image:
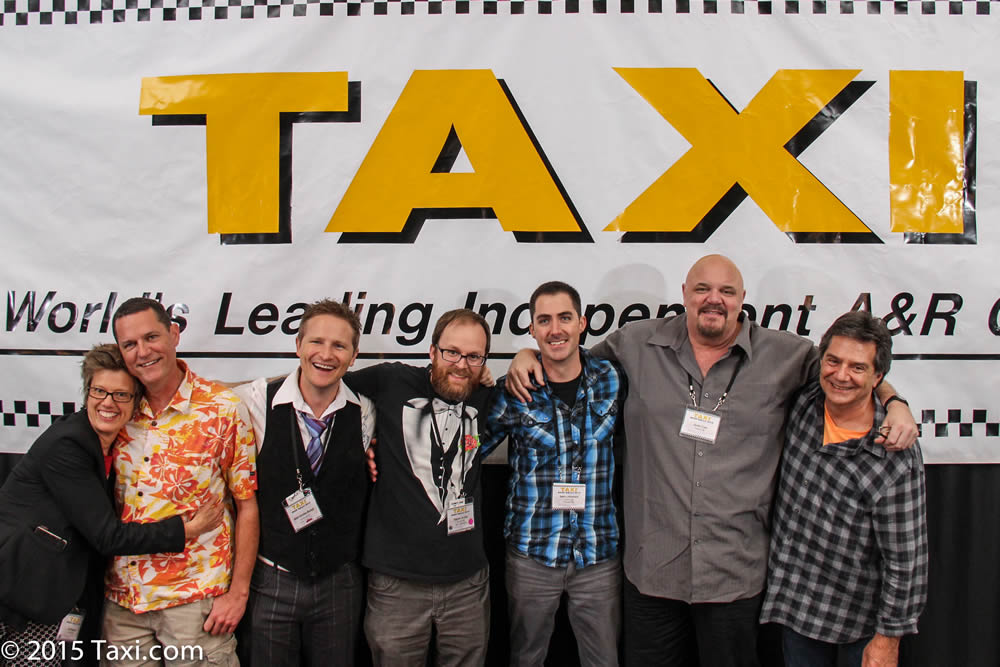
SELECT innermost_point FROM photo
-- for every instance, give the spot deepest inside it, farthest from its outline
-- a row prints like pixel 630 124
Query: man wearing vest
pixel 312 433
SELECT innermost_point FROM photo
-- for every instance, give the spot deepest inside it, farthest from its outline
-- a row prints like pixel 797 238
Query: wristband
pixel 895 397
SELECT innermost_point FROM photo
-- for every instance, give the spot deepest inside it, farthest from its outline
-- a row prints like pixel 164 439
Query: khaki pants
pixel 172 636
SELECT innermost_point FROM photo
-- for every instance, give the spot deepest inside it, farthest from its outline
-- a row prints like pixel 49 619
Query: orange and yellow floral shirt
pixel 199 448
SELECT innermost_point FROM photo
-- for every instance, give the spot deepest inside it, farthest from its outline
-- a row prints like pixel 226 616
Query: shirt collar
pixel 181 401
pixel 590 372
pixel 673 333
pixel 851 447
pixel 289 392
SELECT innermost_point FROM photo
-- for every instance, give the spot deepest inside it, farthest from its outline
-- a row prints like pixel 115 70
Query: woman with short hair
pixel 57 517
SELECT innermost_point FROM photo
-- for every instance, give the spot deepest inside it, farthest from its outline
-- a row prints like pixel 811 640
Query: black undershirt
pixel 566 391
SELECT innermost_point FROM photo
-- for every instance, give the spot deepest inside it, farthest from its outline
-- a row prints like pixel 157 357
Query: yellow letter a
pixel 397 179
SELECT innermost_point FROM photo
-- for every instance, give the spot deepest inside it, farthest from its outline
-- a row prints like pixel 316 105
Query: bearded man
pixel 423 541
pixel 709 393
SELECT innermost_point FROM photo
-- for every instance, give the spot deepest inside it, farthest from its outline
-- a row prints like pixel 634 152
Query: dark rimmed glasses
pixel 116 396
pixel 454 356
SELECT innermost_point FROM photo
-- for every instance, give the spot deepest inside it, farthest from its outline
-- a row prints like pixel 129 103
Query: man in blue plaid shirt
pixel 847 571
pixel 561 529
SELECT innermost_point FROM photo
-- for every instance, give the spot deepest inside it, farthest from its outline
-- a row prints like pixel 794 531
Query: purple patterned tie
pixel 316 427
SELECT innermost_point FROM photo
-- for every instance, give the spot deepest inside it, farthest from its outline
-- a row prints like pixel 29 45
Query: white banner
pixel 238 158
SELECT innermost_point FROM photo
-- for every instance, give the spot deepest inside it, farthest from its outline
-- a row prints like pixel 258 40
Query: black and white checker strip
pixel 956 422
pixel 42 414
pixel 86 12
pixel 949 423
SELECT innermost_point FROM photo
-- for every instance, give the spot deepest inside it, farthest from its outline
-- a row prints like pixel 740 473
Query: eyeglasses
pixel 116 396
pixel 454 356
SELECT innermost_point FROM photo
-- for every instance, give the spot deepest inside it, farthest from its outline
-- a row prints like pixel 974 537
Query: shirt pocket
pixel 193 461
pixel 754 410
pixel 540 428
pixel 185 474
pixel 535 441
pixel 603 416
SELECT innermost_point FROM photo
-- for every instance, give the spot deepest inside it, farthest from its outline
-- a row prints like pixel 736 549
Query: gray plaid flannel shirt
pixel 849 544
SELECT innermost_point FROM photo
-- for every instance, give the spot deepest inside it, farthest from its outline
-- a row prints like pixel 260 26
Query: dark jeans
pixel 671 633
pixel 802 651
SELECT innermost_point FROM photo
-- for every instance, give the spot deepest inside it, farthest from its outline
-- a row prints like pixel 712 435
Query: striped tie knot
pixel 316 428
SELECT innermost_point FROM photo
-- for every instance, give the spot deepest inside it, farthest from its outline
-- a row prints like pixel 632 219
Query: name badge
pixel 69 627
pixel 569 496
pixel 700 425
pixel 302 509
pixel 461 516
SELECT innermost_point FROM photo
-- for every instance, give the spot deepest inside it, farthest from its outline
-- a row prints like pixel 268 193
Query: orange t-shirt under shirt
pixel 833 433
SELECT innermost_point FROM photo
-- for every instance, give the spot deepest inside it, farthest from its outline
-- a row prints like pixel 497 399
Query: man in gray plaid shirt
pixel 848 560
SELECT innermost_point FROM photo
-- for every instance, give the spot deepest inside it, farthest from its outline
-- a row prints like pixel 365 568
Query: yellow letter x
pixel 745 148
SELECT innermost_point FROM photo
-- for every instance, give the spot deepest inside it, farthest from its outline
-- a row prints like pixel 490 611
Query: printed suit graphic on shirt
pixel 436 435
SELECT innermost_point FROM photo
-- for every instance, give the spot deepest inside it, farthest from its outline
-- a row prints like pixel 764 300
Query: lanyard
pixel 438 441
pixel 725 394
pixel 574 452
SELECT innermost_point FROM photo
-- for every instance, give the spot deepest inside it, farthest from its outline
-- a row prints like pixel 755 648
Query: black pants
pixel 671 633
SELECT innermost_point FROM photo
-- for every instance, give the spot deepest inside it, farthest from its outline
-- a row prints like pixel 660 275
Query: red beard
pixel 448 391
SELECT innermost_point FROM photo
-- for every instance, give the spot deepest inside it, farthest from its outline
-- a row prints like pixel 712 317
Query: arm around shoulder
pixel 524 374
pixel 367 381
pixel 899 428
pixel 77 488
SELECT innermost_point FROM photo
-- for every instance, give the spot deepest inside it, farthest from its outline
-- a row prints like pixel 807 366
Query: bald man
pixel 704 422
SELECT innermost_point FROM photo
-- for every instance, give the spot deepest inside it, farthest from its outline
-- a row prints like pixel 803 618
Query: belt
pixel 271 563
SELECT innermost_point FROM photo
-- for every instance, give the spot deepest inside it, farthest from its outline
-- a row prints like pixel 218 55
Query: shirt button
pixel 706 396
pixel 701 453
pixel 140 493
pixel 132 562
pixel 145 458
pixel 153 423
pixel 697 541
pixel 697 483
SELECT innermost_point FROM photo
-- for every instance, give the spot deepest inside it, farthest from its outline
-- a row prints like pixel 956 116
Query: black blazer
pixel 60 485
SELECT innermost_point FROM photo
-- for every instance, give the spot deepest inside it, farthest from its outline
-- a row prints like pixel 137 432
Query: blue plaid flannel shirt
pixel 550 442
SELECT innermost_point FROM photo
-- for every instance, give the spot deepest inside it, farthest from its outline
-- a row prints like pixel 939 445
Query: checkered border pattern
pixel 77 12
pixel 953 424
pixel 15 413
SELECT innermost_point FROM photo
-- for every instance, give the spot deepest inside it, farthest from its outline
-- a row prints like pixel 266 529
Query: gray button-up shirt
pixel 697 514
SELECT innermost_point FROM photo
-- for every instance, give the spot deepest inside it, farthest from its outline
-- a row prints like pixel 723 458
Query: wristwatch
pixel 895 397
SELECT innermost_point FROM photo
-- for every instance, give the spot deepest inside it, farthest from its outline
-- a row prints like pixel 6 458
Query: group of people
pixel 259 502
pixel 157 471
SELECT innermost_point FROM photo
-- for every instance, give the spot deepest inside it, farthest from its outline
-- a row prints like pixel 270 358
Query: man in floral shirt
pixel 190 442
